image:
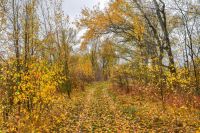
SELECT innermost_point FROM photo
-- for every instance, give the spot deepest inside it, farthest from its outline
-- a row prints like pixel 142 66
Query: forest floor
pixel 102 109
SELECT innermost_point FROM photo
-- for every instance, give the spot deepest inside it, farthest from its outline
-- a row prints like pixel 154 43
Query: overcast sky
pixel 73 7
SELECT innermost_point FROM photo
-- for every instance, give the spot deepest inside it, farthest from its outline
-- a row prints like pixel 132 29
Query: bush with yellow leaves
pixel 31 91
pixel 81 71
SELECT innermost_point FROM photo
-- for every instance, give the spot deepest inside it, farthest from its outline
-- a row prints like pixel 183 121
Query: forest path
pixel 100 113
pixel 100 109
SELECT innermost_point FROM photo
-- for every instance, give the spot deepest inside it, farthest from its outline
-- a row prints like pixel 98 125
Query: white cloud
pixel 73 7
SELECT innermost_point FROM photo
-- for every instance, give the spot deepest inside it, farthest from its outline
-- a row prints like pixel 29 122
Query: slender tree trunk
pixel 161 15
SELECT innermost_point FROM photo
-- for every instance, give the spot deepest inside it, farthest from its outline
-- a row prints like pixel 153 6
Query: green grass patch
pixel 129 110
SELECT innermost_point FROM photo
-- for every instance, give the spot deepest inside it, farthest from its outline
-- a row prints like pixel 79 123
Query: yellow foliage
pixel 138 28
pixel 181 79
pixel 84 67
pixel 39 83
pixel 117 14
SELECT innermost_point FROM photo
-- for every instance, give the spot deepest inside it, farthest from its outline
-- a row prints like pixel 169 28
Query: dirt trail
pixel 103 110
pixel 101 114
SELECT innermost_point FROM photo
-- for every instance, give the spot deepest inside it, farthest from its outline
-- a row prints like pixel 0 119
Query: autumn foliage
pixel 133 68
